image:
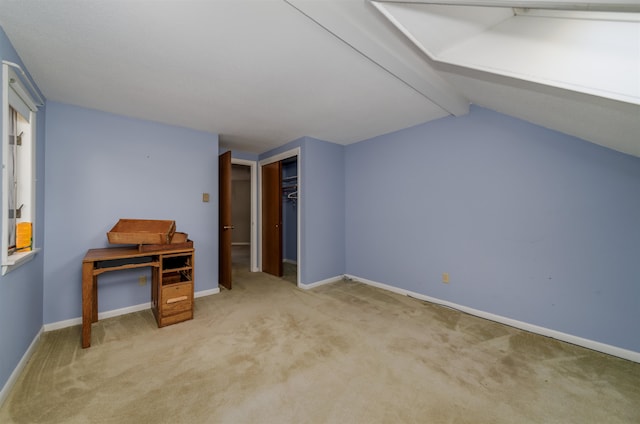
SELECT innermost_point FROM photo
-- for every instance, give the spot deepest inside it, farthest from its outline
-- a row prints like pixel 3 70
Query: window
pixel 18 171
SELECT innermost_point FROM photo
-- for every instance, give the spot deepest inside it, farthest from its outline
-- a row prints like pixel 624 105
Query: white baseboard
pixel 321 283
pixel 569 338
pixel 209 292
pixel 117 312
pixel 102 315
pixel 290 261
pixel 62 324
pixel 4 393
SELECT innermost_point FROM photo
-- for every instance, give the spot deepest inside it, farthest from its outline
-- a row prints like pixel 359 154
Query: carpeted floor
pixel 268 352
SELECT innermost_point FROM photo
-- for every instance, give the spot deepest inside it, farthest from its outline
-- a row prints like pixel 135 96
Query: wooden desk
pixel 172 272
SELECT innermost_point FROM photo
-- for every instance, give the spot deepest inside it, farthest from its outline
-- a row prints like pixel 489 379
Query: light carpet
pixel 268 352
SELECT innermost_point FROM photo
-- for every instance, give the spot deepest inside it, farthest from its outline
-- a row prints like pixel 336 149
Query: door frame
pixel 253 250
pixel 275 158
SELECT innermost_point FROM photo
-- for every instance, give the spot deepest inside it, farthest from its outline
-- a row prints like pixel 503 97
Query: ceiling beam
pixel 364 33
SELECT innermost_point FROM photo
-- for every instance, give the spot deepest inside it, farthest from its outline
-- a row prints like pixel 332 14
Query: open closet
pixel 290 219
pixel 280 201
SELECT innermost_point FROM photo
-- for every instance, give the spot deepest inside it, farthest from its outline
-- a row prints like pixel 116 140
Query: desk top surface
pixel 109 253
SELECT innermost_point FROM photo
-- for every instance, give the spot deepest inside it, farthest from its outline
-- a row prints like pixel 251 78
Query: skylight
pixel 590 51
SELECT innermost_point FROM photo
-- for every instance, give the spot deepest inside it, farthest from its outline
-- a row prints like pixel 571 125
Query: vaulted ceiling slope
pixel 573 70
pixel 264 72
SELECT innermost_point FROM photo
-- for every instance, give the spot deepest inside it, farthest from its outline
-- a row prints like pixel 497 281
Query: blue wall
pixel 323 210
pixel 531 224
pixel 235 154
pixel 21 289
pixel 103 167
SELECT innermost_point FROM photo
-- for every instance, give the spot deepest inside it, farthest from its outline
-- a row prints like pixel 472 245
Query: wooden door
pixel 224 219
pixel 272 219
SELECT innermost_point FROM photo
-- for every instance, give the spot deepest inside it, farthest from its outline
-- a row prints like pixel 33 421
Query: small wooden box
pixel 142 231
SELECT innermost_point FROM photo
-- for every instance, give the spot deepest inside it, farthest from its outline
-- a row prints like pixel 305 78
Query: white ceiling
pixel 262 73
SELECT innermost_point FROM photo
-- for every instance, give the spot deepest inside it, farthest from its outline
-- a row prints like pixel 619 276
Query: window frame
pixel 14 91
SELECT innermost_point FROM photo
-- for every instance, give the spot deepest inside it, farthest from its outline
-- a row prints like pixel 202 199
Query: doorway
pixel 241 216
pixel 227 229
pixel 280 200
pixel 244 189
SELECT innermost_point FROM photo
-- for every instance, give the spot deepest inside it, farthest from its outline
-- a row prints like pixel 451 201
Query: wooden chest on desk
pixel 172 289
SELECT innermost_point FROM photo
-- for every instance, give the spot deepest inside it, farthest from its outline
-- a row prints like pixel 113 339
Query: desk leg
pixel 94 306
pixel 87 302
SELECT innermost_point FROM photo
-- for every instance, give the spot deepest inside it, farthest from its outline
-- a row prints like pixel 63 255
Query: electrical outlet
pixel 205 197
pixel 445 277
pixel 142 280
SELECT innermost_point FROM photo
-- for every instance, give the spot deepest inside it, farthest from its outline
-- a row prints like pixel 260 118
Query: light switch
pixel 205 197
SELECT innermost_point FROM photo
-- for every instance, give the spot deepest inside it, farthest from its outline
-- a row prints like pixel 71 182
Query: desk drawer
pixel 176 298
